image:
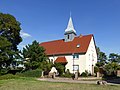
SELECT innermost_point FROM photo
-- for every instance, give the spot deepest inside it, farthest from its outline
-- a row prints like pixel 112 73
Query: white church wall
pixel 81 61
pixel 85 61
pixel 91 56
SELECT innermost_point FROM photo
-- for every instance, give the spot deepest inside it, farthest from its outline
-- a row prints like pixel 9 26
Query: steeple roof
pixel 70 27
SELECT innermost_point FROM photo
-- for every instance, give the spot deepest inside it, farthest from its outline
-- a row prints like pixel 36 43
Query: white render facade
pixel 85 61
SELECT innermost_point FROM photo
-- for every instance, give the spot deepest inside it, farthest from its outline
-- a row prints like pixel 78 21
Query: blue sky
pixel 46 20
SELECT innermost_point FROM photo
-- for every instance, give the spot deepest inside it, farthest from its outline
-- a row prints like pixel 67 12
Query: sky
pixel 46 20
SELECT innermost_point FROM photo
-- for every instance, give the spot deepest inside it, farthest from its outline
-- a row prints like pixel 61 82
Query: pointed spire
pixel 70 13
pixel 70 27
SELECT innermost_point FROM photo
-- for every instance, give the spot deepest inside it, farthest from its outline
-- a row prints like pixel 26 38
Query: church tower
pixel 70 32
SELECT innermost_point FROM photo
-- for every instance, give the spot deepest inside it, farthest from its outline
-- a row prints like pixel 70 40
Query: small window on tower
pixel 68 36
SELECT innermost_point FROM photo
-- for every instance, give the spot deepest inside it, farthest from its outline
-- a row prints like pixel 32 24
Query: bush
pixel 85 74
pixel 60 68
pixel 110 69
pixel 4 71
pixel 8 76
pixel 67 74
pixel 31 73
pixel 96 69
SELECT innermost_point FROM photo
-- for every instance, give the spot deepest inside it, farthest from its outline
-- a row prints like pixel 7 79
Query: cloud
pixel 24 35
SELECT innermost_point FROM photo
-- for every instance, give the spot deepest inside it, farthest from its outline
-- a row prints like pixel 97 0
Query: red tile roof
pixel 60 47
pixel 61 60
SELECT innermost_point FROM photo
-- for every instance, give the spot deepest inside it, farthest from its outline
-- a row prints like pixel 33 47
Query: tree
pixel 10 29
pixel 111 68
pixel 35 56
pixel 101 58
pixel 114 57
pixel 9 39
pixel 4 53
pixel 60 67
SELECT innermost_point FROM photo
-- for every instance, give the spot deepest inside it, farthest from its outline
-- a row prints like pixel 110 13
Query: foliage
pixel 4 71
pixel 85 74
pixel 10 28
pixel 68 74
pixel 114 57
pixel 35 56
pixel 8 76
pixel 9 39
pixel 96 69
pixel 31 73
pixel 4 53
pixel 60 68
pixel 46 66
pixel 111 68
pixel 102 58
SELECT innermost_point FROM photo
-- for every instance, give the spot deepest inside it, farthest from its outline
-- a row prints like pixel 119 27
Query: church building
pixel 77 53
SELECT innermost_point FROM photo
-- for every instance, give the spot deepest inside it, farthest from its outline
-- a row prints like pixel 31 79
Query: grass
pixel 33 84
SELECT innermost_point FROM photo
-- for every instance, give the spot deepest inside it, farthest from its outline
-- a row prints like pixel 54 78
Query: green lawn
pixel 32 84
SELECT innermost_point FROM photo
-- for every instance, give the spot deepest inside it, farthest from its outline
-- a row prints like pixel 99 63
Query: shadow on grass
pixel 115 80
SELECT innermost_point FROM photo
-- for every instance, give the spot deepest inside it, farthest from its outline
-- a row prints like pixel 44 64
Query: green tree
pixel 10 29
pixel 114 57
pixel 9 39
pixel 111 68
pixel 4 54
pixel 35 56
pixel 102 58
pixel 60 67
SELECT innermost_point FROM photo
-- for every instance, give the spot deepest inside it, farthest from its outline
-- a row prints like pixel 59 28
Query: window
pixel 75 67
pixel 68 36
pixel 76 56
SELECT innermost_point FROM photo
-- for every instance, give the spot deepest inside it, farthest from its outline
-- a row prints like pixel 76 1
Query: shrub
pixel 60 68
pixel 4 71
pixel 8 76
pixel 85 74
pixel 110 69
pixel 67 74
pixel 96 69
pixel 31 73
